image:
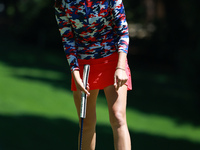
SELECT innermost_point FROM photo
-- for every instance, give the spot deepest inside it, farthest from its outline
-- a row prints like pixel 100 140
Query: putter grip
pixel 83 95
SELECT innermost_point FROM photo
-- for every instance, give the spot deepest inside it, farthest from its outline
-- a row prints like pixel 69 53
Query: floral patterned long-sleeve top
pixel 92 29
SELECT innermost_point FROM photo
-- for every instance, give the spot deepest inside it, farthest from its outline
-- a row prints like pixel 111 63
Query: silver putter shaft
pixel 83 96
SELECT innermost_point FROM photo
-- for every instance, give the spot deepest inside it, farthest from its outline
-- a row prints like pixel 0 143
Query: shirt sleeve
pixel 120 25
pixel 68 39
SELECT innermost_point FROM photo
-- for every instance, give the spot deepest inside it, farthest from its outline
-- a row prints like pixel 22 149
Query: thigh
pixel 91 104
pixel 117 101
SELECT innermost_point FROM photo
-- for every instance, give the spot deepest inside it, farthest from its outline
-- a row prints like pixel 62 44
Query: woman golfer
pixel 95 32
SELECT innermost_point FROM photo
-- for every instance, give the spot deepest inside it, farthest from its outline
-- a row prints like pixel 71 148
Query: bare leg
pixel 89 125
pixel 117 112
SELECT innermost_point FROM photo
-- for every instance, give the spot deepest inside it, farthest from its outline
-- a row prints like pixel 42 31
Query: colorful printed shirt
pixel 92 29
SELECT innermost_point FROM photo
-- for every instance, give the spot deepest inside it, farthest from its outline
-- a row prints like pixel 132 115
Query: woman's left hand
pixel 120 78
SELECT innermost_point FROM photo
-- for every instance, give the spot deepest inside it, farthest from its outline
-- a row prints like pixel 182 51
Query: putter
pixel 84 100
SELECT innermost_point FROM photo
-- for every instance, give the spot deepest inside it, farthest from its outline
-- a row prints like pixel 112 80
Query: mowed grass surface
pixel 37 109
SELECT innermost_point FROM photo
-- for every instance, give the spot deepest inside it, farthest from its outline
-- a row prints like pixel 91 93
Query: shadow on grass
pixel 34 132
pixel 159 89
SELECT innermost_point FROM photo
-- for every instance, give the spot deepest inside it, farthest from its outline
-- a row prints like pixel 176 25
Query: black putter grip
pixel 83 95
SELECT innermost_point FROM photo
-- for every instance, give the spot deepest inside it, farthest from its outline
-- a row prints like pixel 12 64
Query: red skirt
pixel 102 72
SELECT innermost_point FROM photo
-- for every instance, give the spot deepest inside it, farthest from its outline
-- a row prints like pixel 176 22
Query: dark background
pixel 164 41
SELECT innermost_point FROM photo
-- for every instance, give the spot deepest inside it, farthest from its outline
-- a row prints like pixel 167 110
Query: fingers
pixel 81 87
pixel 115 82
pixel 88 87
pixel 120 80
pixel 79 83
pixel 123 81
pixel 119 83
pixel 85 91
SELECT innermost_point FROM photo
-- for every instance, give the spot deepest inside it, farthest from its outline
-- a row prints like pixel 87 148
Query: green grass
pixel 36 92
pixel 33 97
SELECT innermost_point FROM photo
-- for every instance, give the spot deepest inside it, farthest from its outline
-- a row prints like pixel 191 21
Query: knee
pixel 118 119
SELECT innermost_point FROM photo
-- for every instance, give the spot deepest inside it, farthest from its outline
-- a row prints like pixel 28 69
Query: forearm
pixel 76 75
pixel 122 60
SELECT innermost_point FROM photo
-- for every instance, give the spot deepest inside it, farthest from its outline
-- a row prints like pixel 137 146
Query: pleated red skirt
pixel 102 72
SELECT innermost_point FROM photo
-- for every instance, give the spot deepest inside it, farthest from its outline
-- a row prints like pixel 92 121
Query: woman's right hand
pixel 79 83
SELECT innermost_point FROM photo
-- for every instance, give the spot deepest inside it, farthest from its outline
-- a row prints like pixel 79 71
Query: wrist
pixel 120 68
pixel 121 64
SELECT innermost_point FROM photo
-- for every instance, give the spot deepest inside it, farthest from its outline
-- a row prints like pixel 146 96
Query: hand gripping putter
pixel 84 100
